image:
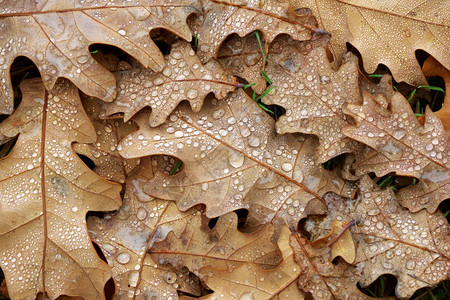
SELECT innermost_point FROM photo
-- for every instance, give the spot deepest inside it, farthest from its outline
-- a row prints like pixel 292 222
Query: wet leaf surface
pixel 385 32
pixel 234 159
pixel 403 146
pixel 46 192
pixel 56 36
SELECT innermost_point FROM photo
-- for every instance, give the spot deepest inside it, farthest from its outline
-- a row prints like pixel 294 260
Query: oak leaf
pixel 312 93
pixel 319 276
pixel 103 152
pixel 223 18
pixel 184 78
pixel 390 239
pixel 244 57
pixel 56 36
pixel 401 145
pixel 234 159
pixel 386 32
pixel 431 67
pixel 126 236
pixel 233 264
pixel 46 192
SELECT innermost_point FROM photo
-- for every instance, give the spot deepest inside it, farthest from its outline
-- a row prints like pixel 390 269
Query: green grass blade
pixel 260 47
pixel 95 51
pixel 248 85
pixel 264 93
pixel 412 95
pixel 434 88
pixel 175 168
pixel 196 39
pixel 265 108
pixel 264 74
pixel 376 75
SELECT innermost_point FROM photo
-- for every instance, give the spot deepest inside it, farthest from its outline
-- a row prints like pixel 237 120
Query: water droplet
pixel 139 13
pixel 205 186
pixel 380 225
pixel 121 32
pixel 251 59
pixel 287 167
pixel 254 142
pixel 373 212
pixel 123 258
pixel 170 277
pixel 141 213
pixel 133 278
pixel 218 114
pixel 398 134
pixel 410 264
pixel 82 59
pixel 236 159
pixel 109 248
pixel 192 94
pixel 167 72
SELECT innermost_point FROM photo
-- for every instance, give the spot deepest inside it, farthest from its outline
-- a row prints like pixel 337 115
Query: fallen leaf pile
pixel 240 162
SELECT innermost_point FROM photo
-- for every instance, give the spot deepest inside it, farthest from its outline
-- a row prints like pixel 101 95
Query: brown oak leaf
pixel 126 236
pixel 312 93
pixel 183 78
pixel 234 159
pixel 401 145
pixel 103 152
pixel 390 239
pixel 223 18
pixel 46 192
pixel 385 32
pixel 56 36
pixel 233 264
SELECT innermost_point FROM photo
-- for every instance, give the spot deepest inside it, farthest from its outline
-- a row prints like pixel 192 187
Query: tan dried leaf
pixel 223 18
pixel 403 146
pixel 108 163
pixel 126 236
pixel 46 192
pixel 184 78
pixel 322 278
pixel 431 67
pixel 312 93
pixel 243 56
pixel 386 32
pixel 392 240
pixel 234 159
pixel 56 36
pixel 233 264
pixel 340 241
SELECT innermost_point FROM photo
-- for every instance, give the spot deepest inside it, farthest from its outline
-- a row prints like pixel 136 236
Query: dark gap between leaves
pixel 384 286
pixel 88 162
